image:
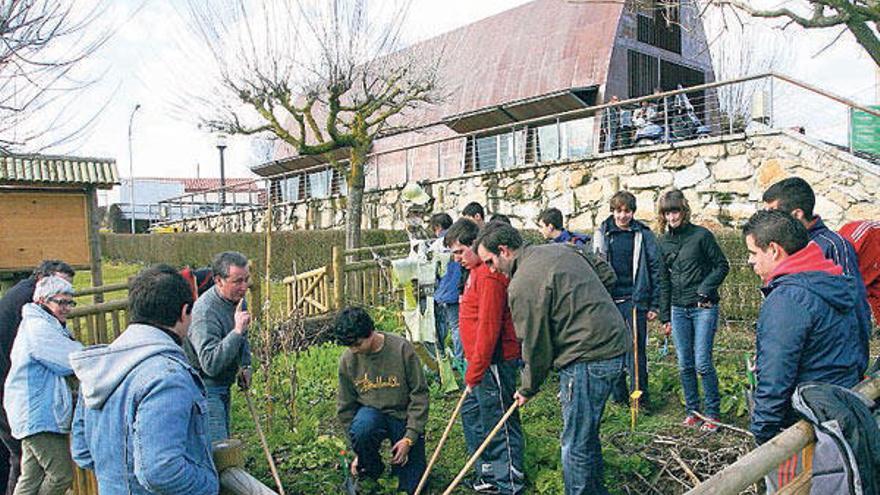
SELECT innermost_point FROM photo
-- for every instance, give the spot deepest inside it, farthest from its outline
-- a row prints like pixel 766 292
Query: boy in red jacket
pixel 492 354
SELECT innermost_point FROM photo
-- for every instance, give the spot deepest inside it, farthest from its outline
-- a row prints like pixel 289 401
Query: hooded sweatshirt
pixel 141 418
pixel 807 331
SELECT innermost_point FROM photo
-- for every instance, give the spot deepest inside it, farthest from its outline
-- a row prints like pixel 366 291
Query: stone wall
pixel 723 179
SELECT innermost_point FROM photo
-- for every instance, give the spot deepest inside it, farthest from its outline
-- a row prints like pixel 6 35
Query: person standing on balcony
pixel 37 396
pixel 565 319
pixel 217 344
pixel 493 355
pixel 141 418
pixel 11 304
pixel 795 197
pixel 382 395
pixel 631 249
pixel 694 269
pixel 550 225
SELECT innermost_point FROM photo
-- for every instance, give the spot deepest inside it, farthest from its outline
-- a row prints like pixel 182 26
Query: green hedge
pixel 308 248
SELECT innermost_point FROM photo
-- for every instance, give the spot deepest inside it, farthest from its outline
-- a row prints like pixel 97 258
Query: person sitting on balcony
pixel 140 396
pixel 382 395
pixel 550 225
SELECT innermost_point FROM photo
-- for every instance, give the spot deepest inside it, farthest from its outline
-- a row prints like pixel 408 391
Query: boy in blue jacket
pixel 808 329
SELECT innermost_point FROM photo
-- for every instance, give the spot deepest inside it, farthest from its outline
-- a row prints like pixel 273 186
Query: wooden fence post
pixel 337 264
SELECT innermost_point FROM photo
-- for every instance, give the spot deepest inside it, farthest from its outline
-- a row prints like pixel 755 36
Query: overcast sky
pixel 141 58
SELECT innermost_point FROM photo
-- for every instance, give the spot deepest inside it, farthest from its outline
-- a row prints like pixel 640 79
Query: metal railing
pixel 735 108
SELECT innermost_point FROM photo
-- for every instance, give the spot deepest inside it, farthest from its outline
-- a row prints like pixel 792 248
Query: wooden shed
pixel 48 210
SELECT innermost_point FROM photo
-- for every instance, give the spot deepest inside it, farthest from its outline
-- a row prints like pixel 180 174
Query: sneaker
pixel 710 426
pixel 483 486
pixel 691 421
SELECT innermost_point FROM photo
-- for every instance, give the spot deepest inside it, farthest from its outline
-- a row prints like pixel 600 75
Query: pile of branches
pixel 680 461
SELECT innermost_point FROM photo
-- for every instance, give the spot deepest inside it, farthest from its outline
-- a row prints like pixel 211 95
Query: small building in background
pixel 49 210
pixel 169 198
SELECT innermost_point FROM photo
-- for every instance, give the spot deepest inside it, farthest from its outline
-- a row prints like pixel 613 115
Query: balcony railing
pixel 737 107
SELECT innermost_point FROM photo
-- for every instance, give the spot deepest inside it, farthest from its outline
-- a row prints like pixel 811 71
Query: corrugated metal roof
pixel 36 170
pixel 540 48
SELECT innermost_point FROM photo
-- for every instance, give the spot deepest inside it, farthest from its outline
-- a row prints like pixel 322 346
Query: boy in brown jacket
pixel 382 395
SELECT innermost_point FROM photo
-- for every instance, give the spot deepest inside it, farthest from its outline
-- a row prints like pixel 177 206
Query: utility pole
pixel 131 167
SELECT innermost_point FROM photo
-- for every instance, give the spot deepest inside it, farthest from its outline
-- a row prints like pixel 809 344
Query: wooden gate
pixel 348 279
pixel 308 292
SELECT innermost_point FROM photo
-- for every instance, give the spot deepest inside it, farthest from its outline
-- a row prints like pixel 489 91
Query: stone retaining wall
pixel 723 179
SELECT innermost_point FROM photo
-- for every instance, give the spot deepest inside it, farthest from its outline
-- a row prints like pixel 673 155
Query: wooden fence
pixel 348 279
pixel 752 467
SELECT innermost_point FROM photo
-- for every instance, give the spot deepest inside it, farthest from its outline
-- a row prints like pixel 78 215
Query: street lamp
pixel 131 167
pixel 221 146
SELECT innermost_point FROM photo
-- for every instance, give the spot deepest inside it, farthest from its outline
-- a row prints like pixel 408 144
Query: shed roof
pixel 57 171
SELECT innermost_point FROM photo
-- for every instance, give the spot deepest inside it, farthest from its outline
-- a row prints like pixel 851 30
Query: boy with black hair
pixel 807 327
pixel 382 395
pixel 795 197
pixel 492 354
pixel 446 292
pixel 140 396
pixel 475 212
pixel 550 224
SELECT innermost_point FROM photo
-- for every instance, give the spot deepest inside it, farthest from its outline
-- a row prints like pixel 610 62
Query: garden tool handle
pixel 480 450
pixel 436 453
pixel 265 444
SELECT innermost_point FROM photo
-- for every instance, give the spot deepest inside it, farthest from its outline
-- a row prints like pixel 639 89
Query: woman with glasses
pixel 694 268
pixel 37 398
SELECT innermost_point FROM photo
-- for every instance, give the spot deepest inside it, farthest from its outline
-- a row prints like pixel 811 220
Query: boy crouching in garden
pixel 382 395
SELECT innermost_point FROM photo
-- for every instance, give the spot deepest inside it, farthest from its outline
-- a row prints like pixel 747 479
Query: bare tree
pixel 42 42
pixel 320 76
pixel 858 17
pixel 740 50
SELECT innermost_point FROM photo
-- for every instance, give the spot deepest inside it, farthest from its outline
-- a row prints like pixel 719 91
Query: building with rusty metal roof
pixel 537 60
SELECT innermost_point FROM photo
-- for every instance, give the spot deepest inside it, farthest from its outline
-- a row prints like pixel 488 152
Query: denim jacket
pixel 140 422
pixel 37 398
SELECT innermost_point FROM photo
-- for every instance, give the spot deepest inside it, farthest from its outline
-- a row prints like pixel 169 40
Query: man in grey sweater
pixel 217 345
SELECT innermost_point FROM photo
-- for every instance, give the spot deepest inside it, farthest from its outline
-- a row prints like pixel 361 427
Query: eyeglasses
pixel 63 302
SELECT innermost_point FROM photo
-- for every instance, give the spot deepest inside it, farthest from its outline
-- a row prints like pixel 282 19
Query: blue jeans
pixel 584 388
pixel 621 393
pixel 367 431
pixel 503 458
pixel 218 413
pixel 446 320
pixel 693 331
pixel 472 426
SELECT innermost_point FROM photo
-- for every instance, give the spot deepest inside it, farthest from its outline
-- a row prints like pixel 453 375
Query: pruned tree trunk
pixel 354 207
